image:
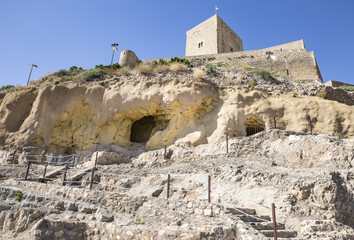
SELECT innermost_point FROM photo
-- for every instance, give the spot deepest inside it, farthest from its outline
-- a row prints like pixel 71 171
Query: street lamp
pixel 114 46
pixel 33 65
pixel 270 61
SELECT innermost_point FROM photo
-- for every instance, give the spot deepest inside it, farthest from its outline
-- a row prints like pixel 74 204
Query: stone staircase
pixel 262 224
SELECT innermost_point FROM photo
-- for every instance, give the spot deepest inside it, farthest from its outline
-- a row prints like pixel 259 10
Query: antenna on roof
pixel 216 9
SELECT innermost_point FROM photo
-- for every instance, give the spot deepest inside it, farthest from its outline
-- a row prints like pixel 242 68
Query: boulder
pixel 128 58
pixel 192 139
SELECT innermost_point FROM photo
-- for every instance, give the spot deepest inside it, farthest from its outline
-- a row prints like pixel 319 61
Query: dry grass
pixel 144 68
pixel 161 68
pixel 199 74
pixel 246 66
pixel 125 70
pixel 178 67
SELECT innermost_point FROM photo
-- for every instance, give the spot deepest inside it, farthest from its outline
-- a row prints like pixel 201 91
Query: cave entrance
pixel 254 125
pixel 141 129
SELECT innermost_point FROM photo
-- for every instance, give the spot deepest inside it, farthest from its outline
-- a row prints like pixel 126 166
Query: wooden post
pixel 96 159
pixel 165 152
pixel 275 123
pixel 42 159
pixel 209 187
pixel 274 222
pixel 28 167
pixel 168 185
pixel 92 175
pixel 227 142
pixel 13 157
pixel 310 125
pixel 66 169
pixel 45 171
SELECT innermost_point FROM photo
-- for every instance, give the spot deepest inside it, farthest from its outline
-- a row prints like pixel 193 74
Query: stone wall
pixel 333 83
pixel 201 34
pixel 212 36
pixel 293 61
pixel 227 40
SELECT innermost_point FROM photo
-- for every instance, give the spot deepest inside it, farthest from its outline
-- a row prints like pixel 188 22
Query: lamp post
pixel 270 60
pixel 114 46
pixel 33 65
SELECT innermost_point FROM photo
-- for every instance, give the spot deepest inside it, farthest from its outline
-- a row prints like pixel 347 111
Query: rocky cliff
pixel 170 106
pixel 92 159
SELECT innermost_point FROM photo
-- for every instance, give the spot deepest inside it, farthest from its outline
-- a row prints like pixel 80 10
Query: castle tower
pixel 211 37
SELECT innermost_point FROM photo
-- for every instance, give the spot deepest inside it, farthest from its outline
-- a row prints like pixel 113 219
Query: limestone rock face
pixel 128 58
pixel 157 110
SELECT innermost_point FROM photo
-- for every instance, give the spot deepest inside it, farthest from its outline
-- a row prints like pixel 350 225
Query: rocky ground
pixel 97 167
pixel 308 177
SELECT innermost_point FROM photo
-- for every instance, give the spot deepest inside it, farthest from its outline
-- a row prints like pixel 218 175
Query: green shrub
pixel 62 72
pixel 18 196
pixel 347 88
pixel 72 71
pixel 7 87
pixel 56 82
pixel 264 73
pixel 91 74
pixel 75 70
pixel 160 62
pixel 181 60
pixel 210 69
pixel 113 66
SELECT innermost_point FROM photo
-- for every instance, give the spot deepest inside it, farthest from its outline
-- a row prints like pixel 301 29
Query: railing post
pixel 96 159
pixel 227 142
pixel 168 185
pixel 28 167
pixel 13 157
pixel 45 171
pixel 92 175
pixel 310 125
pixel 274 222
pixel 209 187
pixel 42 159
pixel 66 169
pixel 275 123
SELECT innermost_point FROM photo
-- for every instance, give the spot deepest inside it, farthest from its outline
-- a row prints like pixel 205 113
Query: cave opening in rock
pixel 142 128
pixel 254 125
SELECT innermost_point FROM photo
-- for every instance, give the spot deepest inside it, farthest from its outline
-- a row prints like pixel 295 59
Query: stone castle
pixel 214 40
pixel 212 36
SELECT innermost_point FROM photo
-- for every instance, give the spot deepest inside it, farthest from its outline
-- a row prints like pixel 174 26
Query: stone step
pixel 241 211
pixel 272 238
pixel 55 172
pixel 266 225
pixel 280 233
pixel 250 218
pixel 78 175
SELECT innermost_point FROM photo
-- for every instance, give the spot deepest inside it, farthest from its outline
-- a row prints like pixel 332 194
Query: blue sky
pixel 56 34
